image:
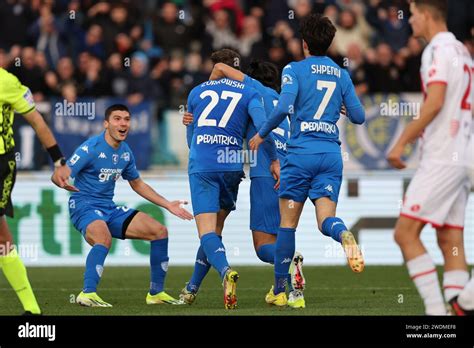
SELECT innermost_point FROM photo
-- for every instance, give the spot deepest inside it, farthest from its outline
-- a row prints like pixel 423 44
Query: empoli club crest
pixel 386 117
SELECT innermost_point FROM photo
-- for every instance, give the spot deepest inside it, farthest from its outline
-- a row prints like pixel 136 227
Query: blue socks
pixel 285 249
pixel 333 227
pixel 94 267
pixel 201 267
pixel 266 253
pixel 215 252
pixel 158 264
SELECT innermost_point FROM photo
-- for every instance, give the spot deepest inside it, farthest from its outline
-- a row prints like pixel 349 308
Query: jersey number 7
pixel 330 87
pixel 203 121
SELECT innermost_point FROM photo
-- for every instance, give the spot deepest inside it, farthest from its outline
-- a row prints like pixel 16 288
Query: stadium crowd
pixel 159 50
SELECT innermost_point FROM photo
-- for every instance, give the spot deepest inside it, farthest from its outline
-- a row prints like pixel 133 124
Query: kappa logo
pixel 329 188
pixel 99 269
pixel 287 260
pixel 201 262
pixel 219 249
pixel 102 155
pixel 85 148
pixel 115 158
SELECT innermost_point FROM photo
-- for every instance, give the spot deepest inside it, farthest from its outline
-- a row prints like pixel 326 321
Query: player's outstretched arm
pixel 430 108
pixel 222 70
pixel 61 172
pixel 147 192
pixel 352 107
pixel 284 107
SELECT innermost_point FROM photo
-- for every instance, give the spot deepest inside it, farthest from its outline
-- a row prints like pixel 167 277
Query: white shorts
pixel 438 195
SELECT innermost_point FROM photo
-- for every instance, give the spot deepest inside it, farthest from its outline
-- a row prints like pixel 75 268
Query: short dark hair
pixel 115 107
pixel 265 72
pixel 439 8
pixel 228 57
pixel 318 32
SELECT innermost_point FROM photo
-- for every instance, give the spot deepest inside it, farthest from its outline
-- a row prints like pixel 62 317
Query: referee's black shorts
pixel 7 180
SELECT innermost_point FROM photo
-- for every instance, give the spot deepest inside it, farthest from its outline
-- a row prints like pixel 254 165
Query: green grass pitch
pixel 331 290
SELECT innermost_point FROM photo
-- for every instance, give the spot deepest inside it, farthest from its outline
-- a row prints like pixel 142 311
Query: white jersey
pixel 447 140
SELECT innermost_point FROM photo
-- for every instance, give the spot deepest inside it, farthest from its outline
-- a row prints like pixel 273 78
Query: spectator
pixel 48 38
pixel 194 74
pixel 277 54
pixel 139 84
pixel 114 21
pixel 72 22
pixel 170 32
pixel 235 14
pixel 411 66
pixel 392 26
pixel 251 44
pixel 116 76
pixel 220 31
pixel 15 18
pixel 295 49
pixel 3 59
pixel 384 75
pixel 356 67
pixel 65 70
pixel 41 62
pixel 30 74
pixel 95 83
pixel 69 92
pixel 92 42
pixel 300 9
pixel 350 29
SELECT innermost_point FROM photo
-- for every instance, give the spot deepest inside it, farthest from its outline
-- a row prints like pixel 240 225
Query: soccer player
pixel 16 97
pixel 222 110
pixel 439 190
pixel 96 165
pixel 264 212
pixel 313 92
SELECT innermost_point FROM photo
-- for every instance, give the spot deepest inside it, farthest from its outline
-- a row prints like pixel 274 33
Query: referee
pixel 16 97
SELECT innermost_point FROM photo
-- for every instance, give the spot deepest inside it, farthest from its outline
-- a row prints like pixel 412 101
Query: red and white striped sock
pixel 423 273
pixel 453 283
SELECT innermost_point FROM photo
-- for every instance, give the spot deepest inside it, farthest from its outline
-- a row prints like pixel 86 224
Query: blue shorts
pixel 117 218
pixel 314 176
pixel 211 192
pixel 264 206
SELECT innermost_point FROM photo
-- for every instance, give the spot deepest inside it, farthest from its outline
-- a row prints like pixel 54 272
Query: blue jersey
pixel 96 166
pixel 222 110
pixel 315 90
pixel 279 135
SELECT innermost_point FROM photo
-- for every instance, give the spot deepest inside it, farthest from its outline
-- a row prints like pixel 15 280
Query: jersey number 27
pixel 235 97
